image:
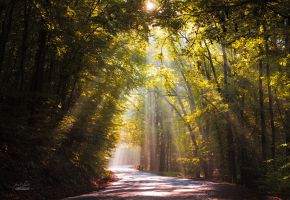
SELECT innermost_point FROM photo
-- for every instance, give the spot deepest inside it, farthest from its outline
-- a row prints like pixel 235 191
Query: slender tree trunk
pixel 287 33
pixel 23 47
pixel 160 135
pixel 225 65
pixel 242 145
pixel 196 150
pixel 270 97
pixel 5 32
pixel 188 126
pixel 287 112
pixel 230 136
pixel 205 163
pixel 69 101
pixel 212 67
pixel 206 71
pixel 160 126
pixel 2 8
pixel 153 133
pixel 168 149
pixel 220 142
pixel 262 112
pixel 39 62
pixel 37 78
pixel 231 152
pixel 287 128
pixel 187 87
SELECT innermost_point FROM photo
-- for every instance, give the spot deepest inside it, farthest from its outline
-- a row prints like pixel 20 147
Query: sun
pixel 150 5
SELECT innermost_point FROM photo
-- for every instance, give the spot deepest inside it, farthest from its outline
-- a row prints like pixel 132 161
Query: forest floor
pixel 133 185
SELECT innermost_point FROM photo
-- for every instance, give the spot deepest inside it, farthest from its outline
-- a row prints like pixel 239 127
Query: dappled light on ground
pixel 133 184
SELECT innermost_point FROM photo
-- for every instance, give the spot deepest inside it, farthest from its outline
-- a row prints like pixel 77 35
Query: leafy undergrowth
pixel 276 179
pixel 58 191
pixel 45 188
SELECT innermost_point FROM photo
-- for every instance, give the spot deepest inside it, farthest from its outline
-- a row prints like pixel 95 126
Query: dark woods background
pixel 61 81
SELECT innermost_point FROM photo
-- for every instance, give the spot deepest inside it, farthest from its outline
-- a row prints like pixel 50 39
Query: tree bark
pixel 23 47
pixel 230 135
pixel 231 152
pixel 262 113
pixel 225 65
pixel 212 67
pixel 270 97
pixel 152 138
pixel 161 133
pixel 39 62
pixel 37 78
pixel 287 128
pixel 6 28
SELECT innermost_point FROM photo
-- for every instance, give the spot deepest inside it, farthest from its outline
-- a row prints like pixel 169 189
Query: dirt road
pixel 133 185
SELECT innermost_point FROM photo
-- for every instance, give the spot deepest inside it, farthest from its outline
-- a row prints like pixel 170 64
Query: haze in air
pixel 144 99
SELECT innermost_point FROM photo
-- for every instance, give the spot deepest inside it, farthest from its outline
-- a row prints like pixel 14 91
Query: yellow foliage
pixel 61 51
pixel 70 12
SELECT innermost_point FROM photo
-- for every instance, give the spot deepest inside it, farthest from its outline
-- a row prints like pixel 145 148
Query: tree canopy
pixel 211 79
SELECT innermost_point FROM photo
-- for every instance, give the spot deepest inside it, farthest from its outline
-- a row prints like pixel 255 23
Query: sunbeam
pixel 150 5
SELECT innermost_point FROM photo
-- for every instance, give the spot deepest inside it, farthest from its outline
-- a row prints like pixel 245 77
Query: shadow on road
pixel 133 185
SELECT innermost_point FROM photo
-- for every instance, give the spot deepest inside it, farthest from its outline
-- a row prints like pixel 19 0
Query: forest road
pixel 136 185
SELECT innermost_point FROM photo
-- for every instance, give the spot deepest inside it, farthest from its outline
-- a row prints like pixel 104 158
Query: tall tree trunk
pixel 230 136
pixel 225 65
pixel 168 149
pixel 220 142
pixel 37 78
pixel 188 126
pixel 212 67
pixel 162 142
pixel 231 152
pixel 6 27
pixel 206 71
pixel 153 136
pixel 270 97
pixel 187 87
pixel 23 47
pixel 205 163
pixel 287 33
pixel 243 155
pixel 39 62
pixel 262 113
pixel 287 128
pixel 180 66
pixel 196 150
